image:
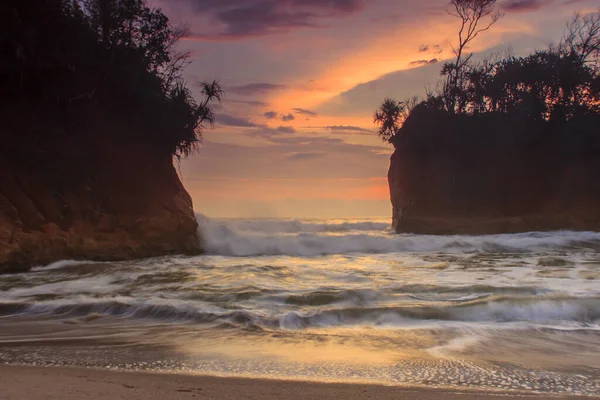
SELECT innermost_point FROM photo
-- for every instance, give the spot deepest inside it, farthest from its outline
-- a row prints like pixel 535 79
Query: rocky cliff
pixel 102 199
pixel 94 107
pixel 492 174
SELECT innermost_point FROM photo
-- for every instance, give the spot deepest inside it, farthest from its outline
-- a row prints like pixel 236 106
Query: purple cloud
pixel 433 48
pixel 340 129
pixel 285 129
pixel 305 112
pixel 289 117
pixel 253 103
pixel 251 89
pixel 230 120
pixel 423 62
pixel 271 114
pixel 524 5
pixel 271 134
pixel 304 156
pixel 237 19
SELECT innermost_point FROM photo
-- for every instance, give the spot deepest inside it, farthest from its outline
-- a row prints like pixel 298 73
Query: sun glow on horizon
pixel 310 119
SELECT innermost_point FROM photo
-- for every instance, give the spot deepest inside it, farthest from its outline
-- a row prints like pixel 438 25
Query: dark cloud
pixel 337 129
pixel 254 103
pixel 524 5
pixel 430 48
pixel 285 129
pixel 246 18
pixel 270 134
pixel 230 120
pixel 271 114
pixel 304 156
pixel 251 89
pixel 261 19
pixel 423 62
pixel 289 117
pixel 305 112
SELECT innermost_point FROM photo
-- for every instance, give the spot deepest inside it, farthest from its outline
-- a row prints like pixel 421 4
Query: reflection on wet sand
pixel 507 359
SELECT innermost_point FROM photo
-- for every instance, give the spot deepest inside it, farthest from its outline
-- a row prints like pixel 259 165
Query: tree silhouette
pixel 582 38
pixel 390 116
pixel 477 16
pixel 112 57
pixel 557 86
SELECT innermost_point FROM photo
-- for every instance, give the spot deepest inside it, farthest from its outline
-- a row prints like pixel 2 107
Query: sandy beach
pixel 40 383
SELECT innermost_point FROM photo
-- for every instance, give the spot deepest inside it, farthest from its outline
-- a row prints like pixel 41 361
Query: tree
pixel 192 116
pixel 554 87
pixel 582 38
pixel 103 57
pixel 477 16
pixel 133 25
pixel 390 116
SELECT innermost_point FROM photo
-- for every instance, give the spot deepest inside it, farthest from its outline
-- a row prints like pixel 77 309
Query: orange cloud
pixel 395 51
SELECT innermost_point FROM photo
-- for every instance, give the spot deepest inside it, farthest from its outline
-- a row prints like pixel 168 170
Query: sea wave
pixel 532 310
pixel 283 226
pixel 294 238
pixel 490 310
pixel 61 264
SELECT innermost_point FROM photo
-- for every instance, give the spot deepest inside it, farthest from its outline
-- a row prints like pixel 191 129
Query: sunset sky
pixel 294 135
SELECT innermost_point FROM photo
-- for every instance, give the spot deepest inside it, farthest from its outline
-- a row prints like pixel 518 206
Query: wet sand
pixel 41 383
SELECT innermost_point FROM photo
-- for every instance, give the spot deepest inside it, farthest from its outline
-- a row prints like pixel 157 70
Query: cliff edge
pixel 494 173
pixel 113 203
pixel 501 146
pixel 94 108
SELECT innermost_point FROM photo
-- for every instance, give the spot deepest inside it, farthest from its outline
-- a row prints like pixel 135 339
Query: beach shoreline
pixel 76 383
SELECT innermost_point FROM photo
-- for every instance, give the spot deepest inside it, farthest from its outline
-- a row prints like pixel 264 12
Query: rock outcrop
pixel 102 200
pixel 488 175
pixel 93 109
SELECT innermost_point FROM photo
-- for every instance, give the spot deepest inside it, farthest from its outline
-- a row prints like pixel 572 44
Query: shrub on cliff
pixel 61 59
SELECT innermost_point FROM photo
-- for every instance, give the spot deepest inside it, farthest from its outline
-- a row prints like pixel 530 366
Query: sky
pixel 294 135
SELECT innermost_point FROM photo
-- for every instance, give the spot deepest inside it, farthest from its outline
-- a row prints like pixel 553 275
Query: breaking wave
pixel 282 226
pixel 550 310
pixel 241 238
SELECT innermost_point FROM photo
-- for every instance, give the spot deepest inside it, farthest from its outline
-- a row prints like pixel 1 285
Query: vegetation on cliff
pixel 64 59
pixel 93 108
pixel 505 145
pixel 556 91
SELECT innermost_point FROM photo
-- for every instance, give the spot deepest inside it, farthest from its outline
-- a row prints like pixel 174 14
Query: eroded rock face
pixel 493 193
pixel 494 173
pixel 110 202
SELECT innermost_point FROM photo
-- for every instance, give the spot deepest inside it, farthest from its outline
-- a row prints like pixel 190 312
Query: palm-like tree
pixel 389 116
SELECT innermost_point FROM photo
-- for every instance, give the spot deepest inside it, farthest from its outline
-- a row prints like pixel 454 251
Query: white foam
pixel 540 311
pixel 61 264
pixel 97 284
pixel 283 226
pixel 457 345
pixel 545 312
pixel 294 238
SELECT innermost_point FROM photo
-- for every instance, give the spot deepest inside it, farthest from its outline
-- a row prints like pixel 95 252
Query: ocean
pixel 326 300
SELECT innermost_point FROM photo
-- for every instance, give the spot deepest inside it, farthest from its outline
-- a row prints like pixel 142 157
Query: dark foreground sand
pixel 37 383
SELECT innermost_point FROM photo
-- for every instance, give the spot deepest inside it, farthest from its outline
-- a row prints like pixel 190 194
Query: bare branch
pixel 472 13
pixel 582 38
